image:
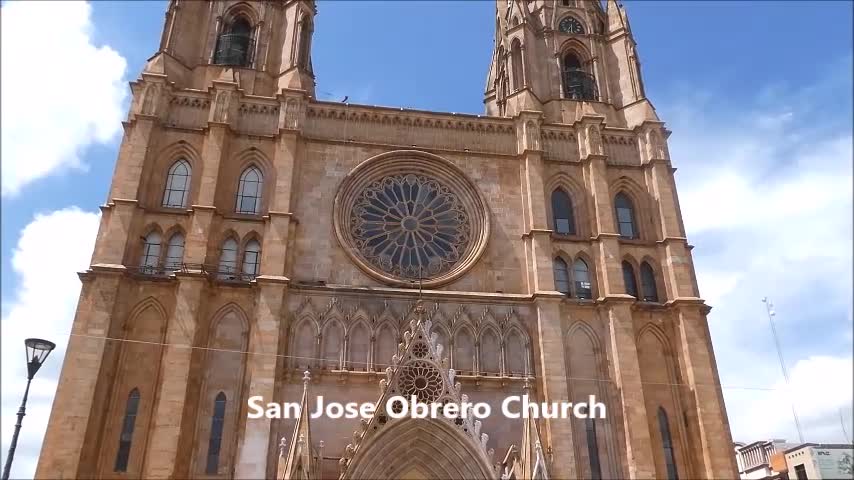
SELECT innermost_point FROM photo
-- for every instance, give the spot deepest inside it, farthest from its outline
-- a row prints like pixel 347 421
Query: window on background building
pixel 629 279
pixel 228 259
pixel 234 45
pixel 125 438
pixel 150 259
pixel 648 288
pixel 252 258
pixel 249 191
pixel 564 223
pixel 561 272
pixel 215 441
pixel 175 252
pixel 801 472
pixel 625 216
pixel 177 185
pixel 581 277
pixel 667 445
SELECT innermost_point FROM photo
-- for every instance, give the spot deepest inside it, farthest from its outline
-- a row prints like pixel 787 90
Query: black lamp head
pixel 37 352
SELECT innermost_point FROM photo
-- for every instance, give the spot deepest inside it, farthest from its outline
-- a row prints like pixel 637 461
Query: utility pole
pixel 769 307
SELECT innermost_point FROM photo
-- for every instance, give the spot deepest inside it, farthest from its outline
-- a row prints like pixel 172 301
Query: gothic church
pixel 253 233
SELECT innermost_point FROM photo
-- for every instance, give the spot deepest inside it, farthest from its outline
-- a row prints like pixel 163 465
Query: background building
pixel 764 459
pixel 279 234
pixel 820 461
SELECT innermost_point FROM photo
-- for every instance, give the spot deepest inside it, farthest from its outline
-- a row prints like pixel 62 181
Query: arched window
pixel 561 271
pixel 125 438
pixel 648 288
pixel 150 260
pixel 228 259
pixel 304 43
pixel 667 445
pixel 252 258
pixel 581 276
pixel 234 45
pixel 593 449
pixel 215 442
pixel 515 21
pixel 577 84
pixel 564 223
pixel 177 185
pixel 516 60
pixel 175 252
pixel 629 280
pixel 249 191
pixel 625 216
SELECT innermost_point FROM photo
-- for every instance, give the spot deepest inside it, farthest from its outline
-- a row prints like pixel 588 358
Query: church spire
pixel 565 58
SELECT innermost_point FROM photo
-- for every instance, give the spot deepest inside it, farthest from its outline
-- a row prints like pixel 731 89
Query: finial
pixel 527 385
pixel 306 377
pixel 283 445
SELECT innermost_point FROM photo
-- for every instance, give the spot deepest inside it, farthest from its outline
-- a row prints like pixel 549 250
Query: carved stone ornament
pixel 407 215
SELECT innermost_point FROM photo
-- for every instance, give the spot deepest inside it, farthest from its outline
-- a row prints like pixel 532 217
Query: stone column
pixel 553 386
pixel 162 456
pixel 700 371
pixel 68 450
pixel 253 448
pixel 627 374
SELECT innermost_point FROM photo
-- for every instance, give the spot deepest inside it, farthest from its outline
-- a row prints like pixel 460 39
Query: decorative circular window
pixel 409 216
pixel 422 380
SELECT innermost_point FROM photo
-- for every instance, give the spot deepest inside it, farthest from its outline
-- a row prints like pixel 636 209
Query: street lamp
pixel 37 352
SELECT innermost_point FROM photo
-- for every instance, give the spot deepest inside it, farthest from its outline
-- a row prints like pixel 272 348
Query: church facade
pixel 259 242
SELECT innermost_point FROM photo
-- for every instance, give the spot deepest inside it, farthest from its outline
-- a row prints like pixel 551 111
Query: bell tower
pixel 262 47
pixel 566 58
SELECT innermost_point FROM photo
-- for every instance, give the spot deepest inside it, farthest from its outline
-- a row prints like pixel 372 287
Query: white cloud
pixel 50 250
pixel 60 92
pixel 766 194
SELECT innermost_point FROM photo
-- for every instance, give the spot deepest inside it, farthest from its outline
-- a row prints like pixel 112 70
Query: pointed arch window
pixel 228 259
pixel 564 221
pixel 667 445
pixel 175 252
pixel 625 212
pixel 577 84
pixel 150 260
pixel 126 436
pixel 561 272
pixel 516 62
pixel 215 441
pixel 177 185
pixel 249 191
pixel 581 277
pixel 306 28
pixel 252 258
pixel 629 280
pixel 234 44
pixel 593 449
pixel 648 288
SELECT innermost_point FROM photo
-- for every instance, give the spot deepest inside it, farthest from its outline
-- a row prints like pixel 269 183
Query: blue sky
pixel 758 95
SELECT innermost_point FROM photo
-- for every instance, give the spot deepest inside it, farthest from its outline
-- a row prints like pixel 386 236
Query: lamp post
pixel 37 352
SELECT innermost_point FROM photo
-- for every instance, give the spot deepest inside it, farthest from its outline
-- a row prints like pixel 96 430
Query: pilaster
pixel 76 414
pixel 701 374
pixel 253 448
pixel 116 222
pixel 628 380
pixel 553 385
pixel 132 158
pixel 162 453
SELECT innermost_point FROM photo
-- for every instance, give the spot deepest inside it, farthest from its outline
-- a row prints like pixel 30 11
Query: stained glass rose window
pixel 411 218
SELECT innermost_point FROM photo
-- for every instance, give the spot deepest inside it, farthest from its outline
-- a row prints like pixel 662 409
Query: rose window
pixel 422 380
pixel 408 218
pixel 410 226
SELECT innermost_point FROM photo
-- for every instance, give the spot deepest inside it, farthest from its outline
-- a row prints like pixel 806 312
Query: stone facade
pixel 231 90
